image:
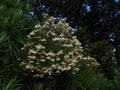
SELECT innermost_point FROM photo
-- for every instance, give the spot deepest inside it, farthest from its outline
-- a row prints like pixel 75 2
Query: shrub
pixel 52 49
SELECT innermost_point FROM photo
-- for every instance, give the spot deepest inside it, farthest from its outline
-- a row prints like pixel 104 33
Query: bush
pixel 52 49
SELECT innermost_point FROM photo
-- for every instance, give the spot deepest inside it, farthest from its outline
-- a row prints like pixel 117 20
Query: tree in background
pixel 100 17
pixel 101 50
pixel 117 34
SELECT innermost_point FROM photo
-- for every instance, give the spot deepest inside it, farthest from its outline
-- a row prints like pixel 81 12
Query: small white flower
pixel 36 75
pixel 32 70
pixel 57 72
pixel 49 72
pixel 50 54
pixel 46 23
pixel 63 20
pixel 70 53
pixel 37 63
pixel 52 60
pixel 32 33
pixel 43 40
pixel 38 47
pixel 41 75
pixel 31 61
pixel 48 57
pixel 74 37
pixel 74 61
pixel 32 51
pixel 66 56
pixel 45 27
pixel 88 65
pixel 60 52
pixel 63 63
pixel 51 19
pixel 58 59
pixel 59 67
pixel 63 69
pixel 77 69
pixel 32 57
pixel 61 35
pixel 68 68
pixel 23 48
pixel 68 45
pixel 56 39
pixel 28 67
pixel 28 36
pixel 37 26
pixel 53 34
pixel 42 60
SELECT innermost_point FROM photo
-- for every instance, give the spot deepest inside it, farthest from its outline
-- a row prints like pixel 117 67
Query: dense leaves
pixel 99 27
pixel 14 25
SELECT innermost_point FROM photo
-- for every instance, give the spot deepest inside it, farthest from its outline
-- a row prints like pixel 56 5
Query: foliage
pixel 15 24
pixel 52 49
pixel 116 81
pixel 102 83
pixel 82 80
pixel 12 84
pixel 38 86
pixel 103 52
pixel 117 34
pixel 17 21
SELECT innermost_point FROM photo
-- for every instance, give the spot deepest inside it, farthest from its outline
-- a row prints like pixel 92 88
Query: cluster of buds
pixel 52 48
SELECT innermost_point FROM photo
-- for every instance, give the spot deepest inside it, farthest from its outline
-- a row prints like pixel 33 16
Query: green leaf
pixel 38 86
pixel 3 37
pixel 13 84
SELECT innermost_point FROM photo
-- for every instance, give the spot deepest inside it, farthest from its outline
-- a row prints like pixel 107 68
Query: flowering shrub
pixel 52 48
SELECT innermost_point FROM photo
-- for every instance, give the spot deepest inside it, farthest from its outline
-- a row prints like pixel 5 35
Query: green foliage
pixel 14 25
pixel 103 52
pixel 12 84
pixel 116 81
pixel 63 81
pixel 117 39
pixel 8 77
pixel 83 36
pixel 102 83
pixel 38 86
pixel 82 80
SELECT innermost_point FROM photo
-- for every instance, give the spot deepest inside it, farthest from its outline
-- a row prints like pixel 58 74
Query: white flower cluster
pixel 52 48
